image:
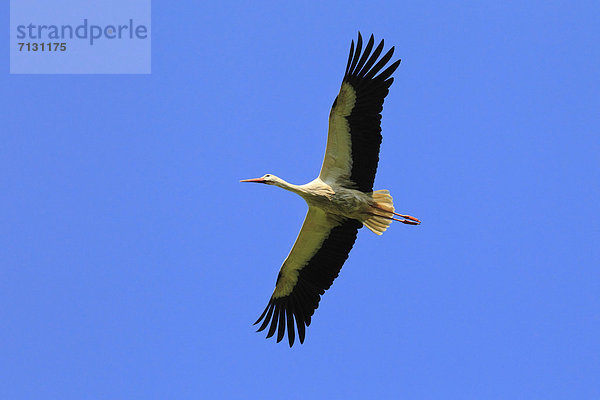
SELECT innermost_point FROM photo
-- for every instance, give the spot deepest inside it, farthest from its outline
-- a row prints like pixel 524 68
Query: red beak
pixel 257 180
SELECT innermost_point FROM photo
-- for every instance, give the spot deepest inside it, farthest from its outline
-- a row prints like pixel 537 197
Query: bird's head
pixel 268 179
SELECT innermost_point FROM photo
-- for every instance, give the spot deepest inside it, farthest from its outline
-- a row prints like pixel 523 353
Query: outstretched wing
pixel 314 262
pixel 354 134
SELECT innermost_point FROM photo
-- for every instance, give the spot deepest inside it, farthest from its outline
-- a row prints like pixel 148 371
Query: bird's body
pixel 340 200
pixel 335 198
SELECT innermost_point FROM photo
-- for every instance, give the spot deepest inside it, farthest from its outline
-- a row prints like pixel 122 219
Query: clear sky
pixel 133 262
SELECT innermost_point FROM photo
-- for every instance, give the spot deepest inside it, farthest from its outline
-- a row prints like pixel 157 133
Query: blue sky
pixel 133 262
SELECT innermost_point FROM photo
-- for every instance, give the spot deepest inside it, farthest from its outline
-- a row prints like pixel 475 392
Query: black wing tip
pixel 279 316
pixel 364 63
pixel 360 35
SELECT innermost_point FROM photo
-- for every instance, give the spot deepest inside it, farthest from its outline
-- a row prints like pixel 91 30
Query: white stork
pixel 341 199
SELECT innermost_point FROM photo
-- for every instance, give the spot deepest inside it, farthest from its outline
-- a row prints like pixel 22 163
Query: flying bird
pixel 341 199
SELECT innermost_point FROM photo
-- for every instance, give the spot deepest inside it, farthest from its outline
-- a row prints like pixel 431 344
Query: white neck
pixel 290 187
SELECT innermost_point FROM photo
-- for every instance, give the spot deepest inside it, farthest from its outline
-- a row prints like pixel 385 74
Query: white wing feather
pixel 337 163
